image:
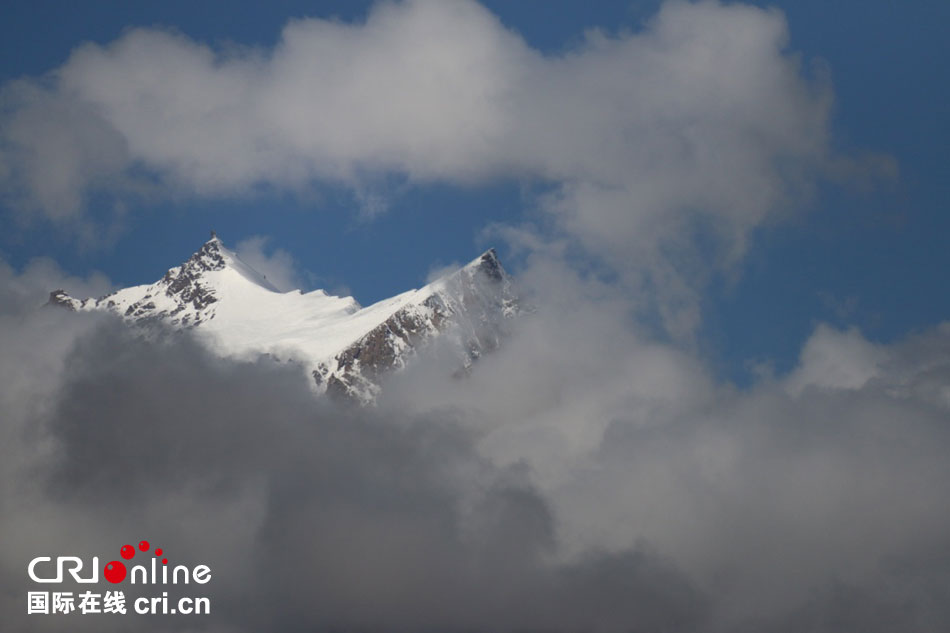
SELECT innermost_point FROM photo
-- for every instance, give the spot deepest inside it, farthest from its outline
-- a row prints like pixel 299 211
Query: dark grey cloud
pixel 311 516
pixel 595 483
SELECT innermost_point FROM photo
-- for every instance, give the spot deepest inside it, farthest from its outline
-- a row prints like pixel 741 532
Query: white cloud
pixel 29 288
pixel 836 360
pixel 35 340
pixel 772 507
pixel 702 124
pixel 278 268
pixel 773 498
pixel 56 147
pixel 439 271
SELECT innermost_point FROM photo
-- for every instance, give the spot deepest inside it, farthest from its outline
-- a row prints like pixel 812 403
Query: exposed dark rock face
pixel 182 284
pixel 61 299
pixel 472 307
pixel 490 266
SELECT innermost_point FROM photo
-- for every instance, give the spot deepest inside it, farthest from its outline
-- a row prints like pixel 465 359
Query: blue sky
pixel 868 254
pixel 728 409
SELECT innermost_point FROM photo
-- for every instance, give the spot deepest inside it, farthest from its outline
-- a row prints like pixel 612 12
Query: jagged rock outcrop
pixel 471 306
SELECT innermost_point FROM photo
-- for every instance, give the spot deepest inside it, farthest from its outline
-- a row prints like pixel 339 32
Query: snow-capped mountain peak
pixel 346 348
pixel 214 256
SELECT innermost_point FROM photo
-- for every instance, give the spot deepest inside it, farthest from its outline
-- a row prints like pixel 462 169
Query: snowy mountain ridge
pixel 345 348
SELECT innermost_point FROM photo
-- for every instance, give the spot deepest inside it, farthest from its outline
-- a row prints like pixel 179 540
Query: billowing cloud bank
pixel 435 90
pixel 582 478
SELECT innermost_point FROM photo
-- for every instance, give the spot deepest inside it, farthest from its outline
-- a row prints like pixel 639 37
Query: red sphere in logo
pixel 127 552
pixel 114 572
pixel 143 545
pixel 158 552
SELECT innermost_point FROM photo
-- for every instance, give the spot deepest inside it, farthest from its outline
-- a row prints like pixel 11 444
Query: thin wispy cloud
pixel 277 266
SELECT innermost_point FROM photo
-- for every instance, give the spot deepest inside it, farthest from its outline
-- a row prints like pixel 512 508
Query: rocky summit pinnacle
pixel 345 348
